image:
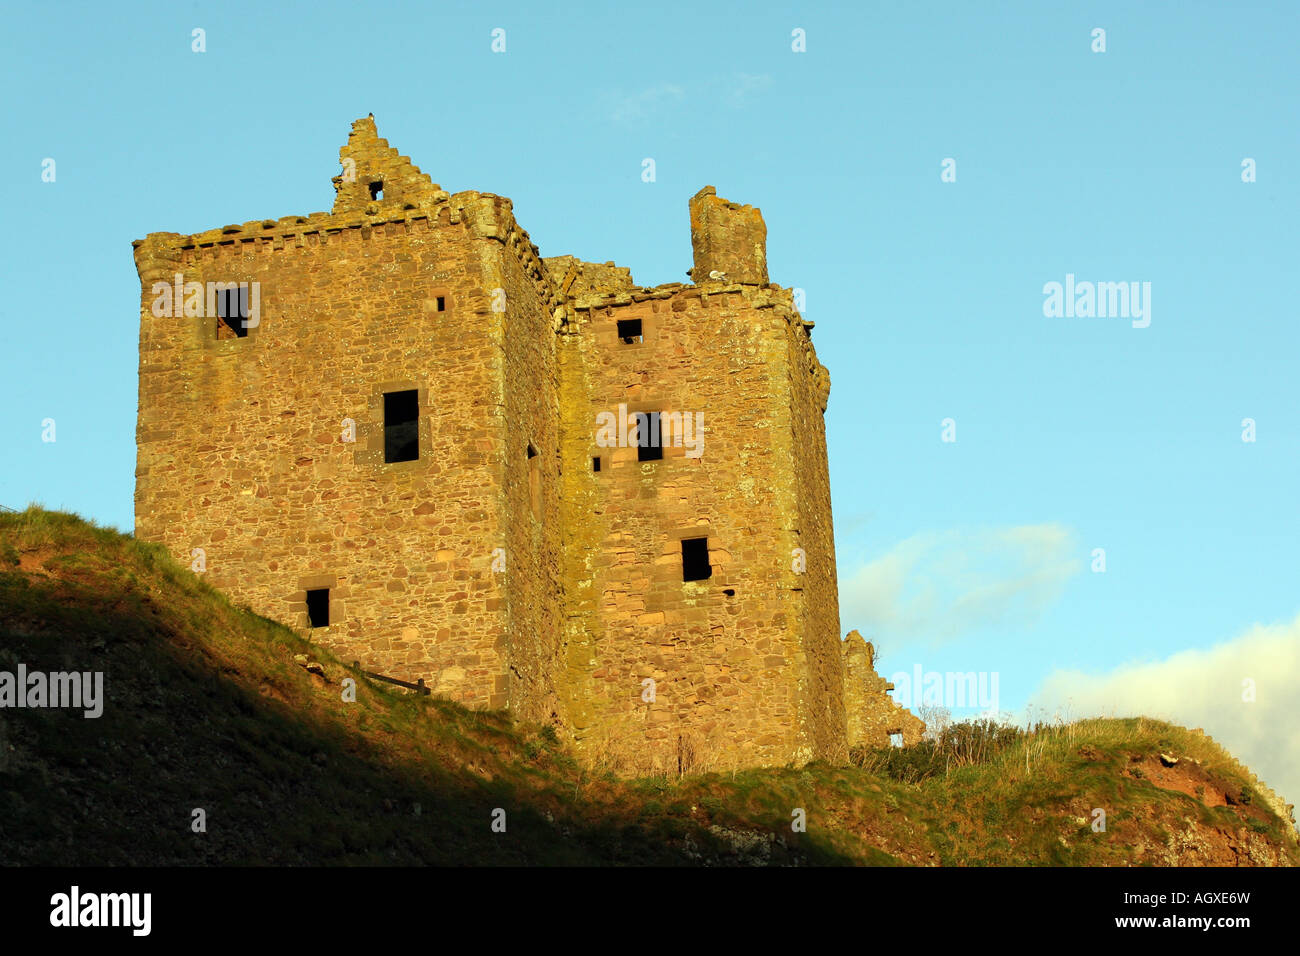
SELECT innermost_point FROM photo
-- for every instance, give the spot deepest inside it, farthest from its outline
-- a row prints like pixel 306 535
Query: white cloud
pixel 934 586
pixel 741 86
pixel 633 108
pixel 638 106
pixel 1203 688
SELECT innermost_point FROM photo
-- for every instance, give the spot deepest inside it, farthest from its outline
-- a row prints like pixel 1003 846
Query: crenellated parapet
pixel 484 215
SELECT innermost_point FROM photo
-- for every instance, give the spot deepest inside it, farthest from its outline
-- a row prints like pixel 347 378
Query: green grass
pixel 207 707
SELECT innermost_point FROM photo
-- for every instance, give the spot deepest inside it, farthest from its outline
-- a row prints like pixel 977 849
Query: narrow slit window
pixel 232 311
pixel 377 189
pixel 695 559
pixel 629 330
pixel 595 463
pixel 649 446
pixel 401 426
pixel 441 303
pixel 534 483
pixel 318 607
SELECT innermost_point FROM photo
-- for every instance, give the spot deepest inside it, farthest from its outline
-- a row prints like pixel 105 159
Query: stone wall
pixel 528 413
pixel 729 241
pixel 724 652
pixel 873 716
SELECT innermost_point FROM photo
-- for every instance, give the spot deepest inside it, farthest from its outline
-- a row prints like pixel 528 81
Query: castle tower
pixel 706 568
pixel 531 483
pixel 366 445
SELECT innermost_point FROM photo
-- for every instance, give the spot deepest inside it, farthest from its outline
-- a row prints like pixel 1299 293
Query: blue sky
pixel 1072 433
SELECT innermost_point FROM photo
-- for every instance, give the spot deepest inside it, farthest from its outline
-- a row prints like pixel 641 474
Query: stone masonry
pixel 518 558
pixel 874 717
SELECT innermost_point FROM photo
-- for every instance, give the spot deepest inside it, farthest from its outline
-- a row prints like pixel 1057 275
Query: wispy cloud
pixel 638 106
pixel 935 586
pixel 1204 688
pixel 741 87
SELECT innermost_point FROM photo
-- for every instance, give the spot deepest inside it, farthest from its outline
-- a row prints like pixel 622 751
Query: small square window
pixel 629 330
pixel 401 426
pixel 896 739
pixel 318 607
pixel 695 559
pixel 377 189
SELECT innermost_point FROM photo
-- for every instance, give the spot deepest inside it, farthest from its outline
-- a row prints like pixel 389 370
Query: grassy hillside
pixel 210 706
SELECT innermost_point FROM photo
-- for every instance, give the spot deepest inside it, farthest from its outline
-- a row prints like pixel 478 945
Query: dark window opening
pixel 649 446
pixel 401 426
pixel 318 607
pixel 232 310
pixel 629 330
pixel 729 592
pixel 377 189
pixel 595 463
pixel 534 482
pixel 695 559
pixel 442 303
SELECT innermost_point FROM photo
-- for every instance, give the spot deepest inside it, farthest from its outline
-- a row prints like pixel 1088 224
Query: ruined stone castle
pixel 527 481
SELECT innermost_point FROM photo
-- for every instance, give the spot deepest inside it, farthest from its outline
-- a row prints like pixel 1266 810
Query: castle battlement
pixel 437 453
pixel 265 236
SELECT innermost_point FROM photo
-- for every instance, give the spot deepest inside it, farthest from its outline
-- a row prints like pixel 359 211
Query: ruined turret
pixel 729 241
pixel 873 716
